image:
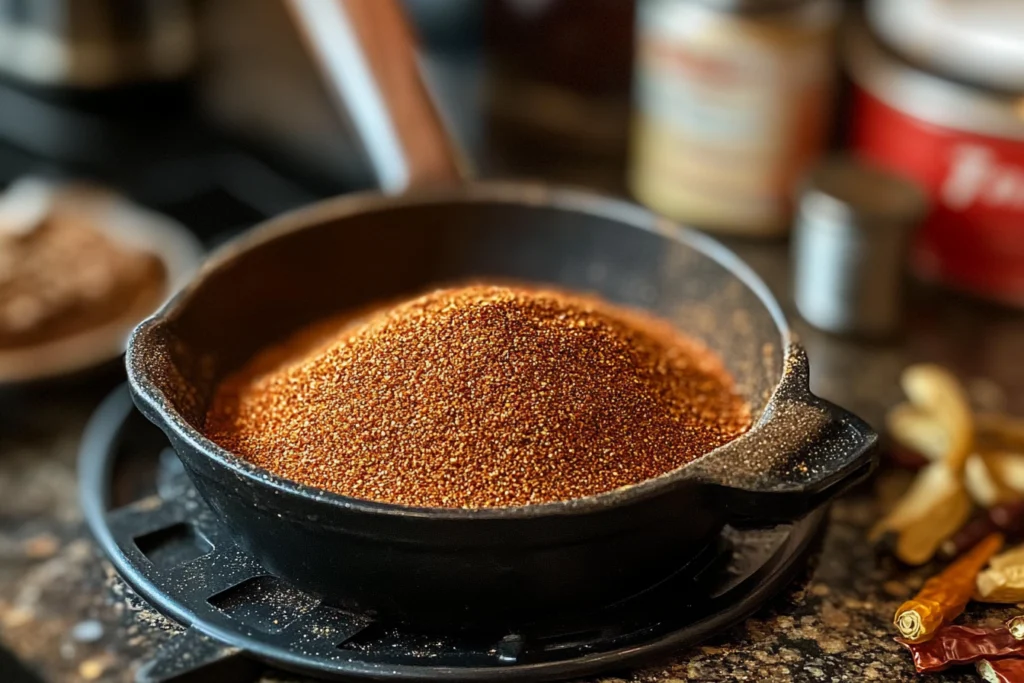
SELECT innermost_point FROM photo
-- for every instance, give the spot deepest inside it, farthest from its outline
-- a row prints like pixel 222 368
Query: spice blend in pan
pixel 481 396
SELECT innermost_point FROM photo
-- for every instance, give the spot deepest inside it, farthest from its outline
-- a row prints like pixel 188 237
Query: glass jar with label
pixel 730 107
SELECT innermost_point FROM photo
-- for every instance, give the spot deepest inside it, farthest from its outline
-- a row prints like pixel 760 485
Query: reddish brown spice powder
pixel 481 396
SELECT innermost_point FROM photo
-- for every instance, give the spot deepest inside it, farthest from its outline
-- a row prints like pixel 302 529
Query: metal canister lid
pixel 979 41
pixel 753 6
pixel 845 189
pixel 849 247
pixel 927 96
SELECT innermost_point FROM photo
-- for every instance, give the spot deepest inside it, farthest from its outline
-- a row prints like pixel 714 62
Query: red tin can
pixel 965 145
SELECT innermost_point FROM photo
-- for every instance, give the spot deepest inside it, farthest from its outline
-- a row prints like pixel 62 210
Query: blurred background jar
pixel 557 100
pixel 940 98
pixel 731 105
pixel 87 44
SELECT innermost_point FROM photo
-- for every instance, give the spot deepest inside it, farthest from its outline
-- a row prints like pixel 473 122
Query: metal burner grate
pixel 172 550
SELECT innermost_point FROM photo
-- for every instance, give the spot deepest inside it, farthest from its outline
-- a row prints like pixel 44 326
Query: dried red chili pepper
pixel 954 645
pixel 1015 625
pixel 1001 670
pixel 906 458
pixel 944 596
pixel 1007 518
pixel 970 535
pixel 1003 580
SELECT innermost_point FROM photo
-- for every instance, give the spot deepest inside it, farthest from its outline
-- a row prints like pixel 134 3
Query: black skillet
pixel 440 567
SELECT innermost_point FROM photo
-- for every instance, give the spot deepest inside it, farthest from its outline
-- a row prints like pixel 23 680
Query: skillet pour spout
pixel 439 568
pixel 803 452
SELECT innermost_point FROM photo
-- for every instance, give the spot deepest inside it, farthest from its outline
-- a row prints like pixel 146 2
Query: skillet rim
pixel 158 408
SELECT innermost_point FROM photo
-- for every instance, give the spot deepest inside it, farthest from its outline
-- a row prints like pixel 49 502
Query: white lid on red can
pixel 927 96
pixel 979 41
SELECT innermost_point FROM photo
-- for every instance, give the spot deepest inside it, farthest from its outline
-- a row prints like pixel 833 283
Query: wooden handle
pixel 366 51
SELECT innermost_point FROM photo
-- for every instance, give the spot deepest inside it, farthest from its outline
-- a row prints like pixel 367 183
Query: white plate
pixel 127 224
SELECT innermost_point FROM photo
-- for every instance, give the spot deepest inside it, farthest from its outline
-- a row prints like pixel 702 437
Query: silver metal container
pixel 850 247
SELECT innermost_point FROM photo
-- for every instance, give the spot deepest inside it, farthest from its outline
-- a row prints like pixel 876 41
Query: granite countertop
pixel 66 617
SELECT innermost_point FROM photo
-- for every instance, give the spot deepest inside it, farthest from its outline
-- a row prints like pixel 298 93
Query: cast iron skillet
pixel 493 564
pixel 444 567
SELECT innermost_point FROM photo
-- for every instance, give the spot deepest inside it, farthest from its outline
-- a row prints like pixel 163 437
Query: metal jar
pixel 965 145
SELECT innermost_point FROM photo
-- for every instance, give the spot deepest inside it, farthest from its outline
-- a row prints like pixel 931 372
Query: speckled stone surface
pixel 66 618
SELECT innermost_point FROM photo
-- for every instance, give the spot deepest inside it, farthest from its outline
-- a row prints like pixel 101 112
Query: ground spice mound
pixel 481 396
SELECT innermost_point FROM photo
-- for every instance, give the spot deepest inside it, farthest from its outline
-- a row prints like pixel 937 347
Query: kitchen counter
pixel 66 617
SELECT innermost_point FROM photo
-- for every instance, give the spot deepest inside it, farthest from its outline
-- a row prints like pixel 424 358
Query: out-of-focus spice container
pixel 730 106
pixel 558 96
pixel 935 115
pixel 849 250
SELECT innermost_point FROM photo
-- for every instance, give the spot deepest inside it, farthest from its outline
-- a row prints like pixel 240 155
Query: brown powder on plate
pixel 66 276
pixel 481 396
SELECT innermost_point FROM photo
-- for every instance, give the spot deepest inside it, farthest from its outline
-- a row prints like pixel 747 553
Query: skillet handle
pixel 365 51
pixel 803 453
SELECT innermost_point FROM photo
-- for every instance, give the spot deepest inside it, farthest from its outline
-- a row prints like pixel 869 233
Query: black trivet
pixel 172 550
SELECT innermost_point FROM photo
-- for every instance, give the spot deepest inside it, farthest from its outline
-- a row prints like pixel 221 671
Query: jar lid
pixel 925 95
pixel 980 41
pixel 753 6
pixel 846 190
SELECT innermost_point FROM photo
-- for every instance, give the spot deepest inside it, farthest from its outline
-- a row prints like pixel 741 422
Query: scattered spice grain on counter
pixel 482 396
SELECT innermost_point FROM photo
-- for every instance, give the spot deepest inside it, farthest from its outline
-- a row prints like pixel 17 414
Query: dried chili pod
pixel 1015 625
pixel 1008 468
pixel 987 477
pixel 1004 585
pixel 944 596
pixel 1009 558
pixel 935 503
pixel 934 391
pixel 1000 432
pixel 1007 518
pixel 970 535
pixel 917 432
pixel 1003 580
pixel 920 539
pixel 995 477
pixel 954 645
pixel 905 458
pixel 1001 670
